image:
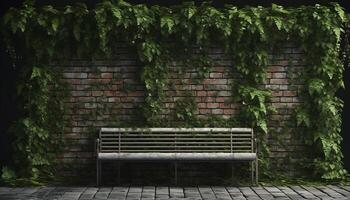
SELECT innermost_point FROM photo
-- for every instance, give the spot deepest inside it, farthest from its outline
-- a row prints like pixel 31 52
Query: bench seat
pixel 177 156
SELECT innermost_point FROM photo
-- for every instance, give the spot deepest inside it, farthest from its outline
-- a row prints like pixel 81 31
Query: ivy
pixel 164 36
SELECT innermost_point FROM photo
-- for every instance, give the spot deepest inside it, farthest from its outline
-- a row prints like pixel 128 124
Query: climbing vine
pixel 162 35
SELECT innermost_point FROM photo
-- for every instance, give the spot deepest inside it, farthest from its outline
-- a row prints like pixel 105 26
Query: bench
pixel 177 145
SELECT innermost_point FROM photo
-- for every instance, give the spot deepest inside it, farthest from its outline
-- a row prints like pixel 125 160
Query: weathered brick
pixel 86 99
pixel 196 87
pixel 217 111
pixel 208 99
pixel 279 75
pixel 215 81
pixel 224 94
pixel 201 93
pixel 204 111
pixel 80 93
pixel 213 105
pixel 279 81
pixel 276 69
pixel 277 93
pixel 215 75
pixel 220 99
pixel 79 75
pixel 224 105
pixel 96 93
pixel 289 93
pixel 107 75
pixel 229 111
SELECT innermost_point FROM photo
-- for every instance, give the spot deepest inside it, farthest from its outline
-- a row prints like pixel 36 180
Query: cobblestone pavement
pixel 181 193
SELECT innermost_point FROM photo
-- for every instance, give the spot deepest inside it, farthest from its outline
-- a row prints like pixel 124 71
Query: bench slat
pixel 172 147
pixel 177 139
pixel 172 150
pixel 177 143
pixel 103 134
pixel 178 130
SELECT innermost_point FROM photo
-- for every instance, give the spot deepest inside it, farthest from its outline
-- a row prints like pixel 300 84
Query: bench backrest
pixel 176 140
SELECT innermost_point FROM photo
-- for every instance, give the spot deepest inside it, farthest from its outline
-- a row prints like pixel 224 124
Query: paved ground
pixel 189 193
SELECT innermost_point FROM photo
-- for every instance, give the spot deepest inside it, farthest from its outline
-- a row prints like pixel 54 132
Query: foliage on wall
pixel 247 34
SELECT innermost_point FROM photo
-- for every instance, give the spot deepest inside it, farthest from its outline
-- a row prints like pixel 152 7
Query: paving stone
pixel 347 188
pixel 162 190
pixel 339 190
pixel 304 193
pixel 101 195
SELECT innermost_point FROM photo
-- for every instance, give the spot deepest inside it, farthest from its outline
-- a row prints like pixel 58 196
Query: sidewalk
pixel 190 193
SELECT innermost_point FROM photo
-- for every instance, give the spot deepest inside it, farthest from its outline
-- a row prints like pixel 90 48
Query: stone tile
pixel 304 193
pixel 339 190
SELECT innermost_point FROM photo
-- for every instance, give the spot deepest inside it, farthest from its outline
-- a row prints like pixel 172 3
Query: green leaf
pixel 262 124
pixel 116 13
pixel 7 174
pixel 36 72
pixel 316 86
pixel 55 23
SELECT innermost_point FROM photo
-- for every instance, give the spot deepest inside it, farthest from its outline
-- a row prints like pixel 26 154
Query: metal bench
pixel 177 145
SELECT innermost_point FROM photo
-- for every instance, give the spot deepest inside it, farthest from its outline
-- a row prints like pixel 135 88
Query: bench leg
pixel 252 172
pixel 257 172
pixel 118 173
pixel 98 173
pixel 175 172
pixel 232 174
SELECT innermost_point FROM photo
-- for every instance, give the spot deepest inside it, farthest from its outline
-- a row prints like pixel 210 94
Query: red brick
pixel 225 105
pixel 289 93
pixel 106 75
pixel 277 93
pixel 204 111
pixel 197 87
pixel 220 99
pixel 208 99
pixel 213 105
pixel 201 93
pixel 109 93
pixel 212 94
pixel 217 111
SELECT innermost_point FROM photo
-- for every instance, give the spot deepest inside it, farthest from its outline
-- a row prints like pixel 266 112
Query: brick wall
pixel 109 93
